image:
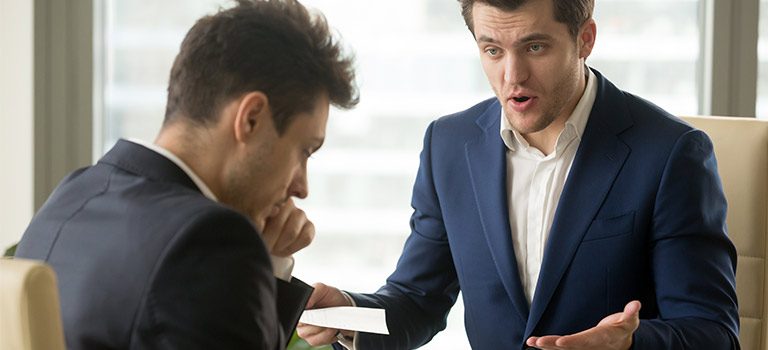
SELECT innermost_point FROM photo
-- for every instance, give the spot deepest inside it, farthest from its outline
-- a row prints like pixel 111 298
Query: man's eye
pixel 492 52
pixel 535 48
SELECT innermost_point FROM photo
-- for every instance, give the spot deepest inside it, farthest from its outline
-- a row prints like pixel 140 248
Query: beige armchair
pixel 741 148
pixel 29 306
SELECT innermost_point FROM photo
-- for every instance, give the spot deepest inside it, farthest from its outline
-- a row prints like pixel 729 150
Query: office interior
pixel 77 75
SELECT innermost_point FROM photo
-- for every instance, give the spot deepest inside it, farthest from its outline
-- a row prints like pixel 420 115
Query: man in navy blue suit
pixel 569 213
pixel 177 244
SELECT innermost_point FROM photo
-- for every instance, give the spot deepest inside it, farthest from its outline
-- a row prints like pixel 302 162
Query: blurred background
pixel 416 61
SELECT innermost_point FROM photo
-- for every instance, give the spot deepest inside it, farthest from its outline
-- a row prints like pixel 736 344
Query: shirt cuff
pixel 350 343
pixel 282 267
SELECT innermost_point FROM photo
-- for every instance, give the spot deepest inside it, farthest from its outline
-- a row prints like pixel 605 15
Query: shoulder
pixel 466 124
pixel 174 220
pixel 655 129
pixel 621 110
pixel 477 115
pixel 194 217
pixel 647 112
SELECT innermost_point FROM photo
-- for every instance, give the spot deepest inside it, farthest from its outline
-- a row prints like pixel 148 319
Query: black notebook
pixel 291 299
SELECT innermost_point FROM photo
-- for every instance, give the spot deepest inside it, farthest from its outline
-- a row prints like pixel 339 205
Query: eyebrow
pixel 524 40
pixel 487 39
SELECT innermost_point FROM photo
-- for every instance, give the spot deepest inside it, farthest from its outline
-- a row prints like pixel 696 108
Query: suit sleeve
pixel 692 260
pixel 213 288
pixel 424 286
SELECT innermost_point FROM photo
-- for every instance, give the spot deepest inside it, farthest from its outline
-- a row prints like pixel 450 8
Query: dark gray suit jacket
pixel 145 261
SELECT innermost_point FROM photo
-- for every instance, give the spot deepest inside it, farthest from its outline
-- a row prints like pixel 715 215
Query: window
pixel 416 62
pixel 140 40
pixel 651 49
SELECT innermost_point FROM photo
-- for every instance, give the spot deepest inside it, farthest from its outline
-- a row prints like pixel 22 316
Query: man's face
pixel 274 167
pixel 533 63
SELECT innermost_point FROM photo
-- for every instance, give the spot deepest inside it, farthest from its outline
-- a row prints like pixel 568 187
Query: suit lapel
pixel 598 161
pixel 487 167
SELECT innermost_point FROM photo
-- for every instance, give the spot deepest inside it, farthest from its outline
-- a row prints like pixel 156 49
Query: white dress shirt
pixel 534 184
pixel 282 266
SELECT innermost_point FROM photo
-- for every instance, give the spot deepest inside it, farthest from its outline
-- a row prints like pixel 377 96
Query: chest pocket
pixel 603 228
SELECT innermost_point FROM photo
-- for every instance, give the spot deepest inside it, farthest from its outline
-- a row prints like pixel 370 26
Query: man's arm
pixel 213 289
pixel 423 288
pixel 693 261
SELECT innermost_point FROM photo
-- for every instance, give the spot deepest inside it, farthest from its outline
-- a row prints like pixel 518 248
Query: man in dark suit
pixel 570 214
pixel 176 244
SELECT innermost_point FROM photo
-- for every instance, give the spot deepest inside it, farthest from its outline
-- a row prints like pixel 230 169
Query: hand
pixel 287 230
pixel 323 296
pixel 613 332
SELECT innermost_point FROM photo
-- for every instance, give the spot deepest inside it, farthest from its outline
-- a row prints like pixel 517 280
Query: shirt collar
pixel 176 160
pixel 576 122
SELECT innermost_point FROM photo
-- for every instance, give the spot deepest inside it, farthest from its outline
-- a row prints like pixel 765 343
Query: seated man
pixel 167 245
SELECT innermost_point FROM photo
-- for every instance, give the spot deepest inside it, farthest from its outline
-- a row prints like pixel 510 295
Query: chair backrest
pixel 741 148
pixel 30 318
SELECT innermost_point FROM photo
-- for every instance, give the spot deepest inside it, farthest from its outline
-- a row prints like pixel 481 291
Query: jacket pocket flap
pixel 609 227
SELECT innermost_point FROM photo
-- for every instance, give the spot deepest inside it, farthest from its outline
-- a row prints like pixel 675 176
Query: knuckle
pixel 308 238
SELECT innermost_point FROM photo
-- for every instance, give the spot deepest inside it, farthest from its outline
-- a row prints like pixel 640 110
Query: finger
pixel 291 229
pixel 305 237
pixel 268 234
pixel 632 311
pixel 273 226
pixel 549 342
pixel 286 208
pixel 317 336
pixel 589 338
pixel 306 330
pixel 531 341
pixel 326 296
pixel 317 295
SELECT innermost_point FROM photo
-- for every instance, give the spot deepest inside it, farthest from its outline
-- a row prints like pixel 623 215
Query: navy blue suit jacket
pixel 145 261
pixel 641 217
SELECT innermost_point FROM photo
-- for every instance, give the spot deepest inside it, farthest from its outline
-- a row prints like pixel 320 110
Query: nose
pixel 299 187
pixel 515 70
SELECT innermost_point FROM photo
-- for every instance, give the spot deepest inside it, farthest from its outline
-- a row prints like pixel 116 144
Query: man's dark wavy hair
pixel 574 13
pixel 273 46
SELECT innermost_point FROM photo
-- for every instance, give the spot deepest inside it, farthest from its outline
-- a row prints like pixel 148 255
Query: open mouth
pixel 521 99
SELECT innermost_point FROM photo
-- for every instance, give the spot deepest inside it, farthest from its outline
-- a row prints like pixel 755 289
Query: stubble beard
pixel 560 98
pixel 541 122
pixel 241 187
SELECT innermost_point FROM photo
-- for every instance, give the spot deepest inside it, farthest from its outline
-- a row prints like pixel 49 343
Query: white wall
pixel 16 119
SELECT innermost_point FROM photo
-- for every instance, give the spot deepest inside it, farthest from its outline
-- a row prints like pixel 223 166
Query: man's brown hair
pixel 574 13
pixel 272 46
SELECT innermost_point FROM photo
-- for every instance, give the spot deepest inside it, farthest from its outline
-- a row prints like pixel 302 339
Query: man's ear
pixel 586 39
pixel 253 114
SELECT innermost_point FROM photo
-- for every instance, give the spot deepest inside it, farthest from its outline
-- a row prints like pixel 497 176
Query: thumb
pixel 319 292
pixel 631 312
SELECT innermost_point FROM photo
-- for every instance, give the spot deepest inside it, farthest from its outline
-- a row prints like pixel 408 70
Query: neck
pixel 195 147
pixel 546 139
